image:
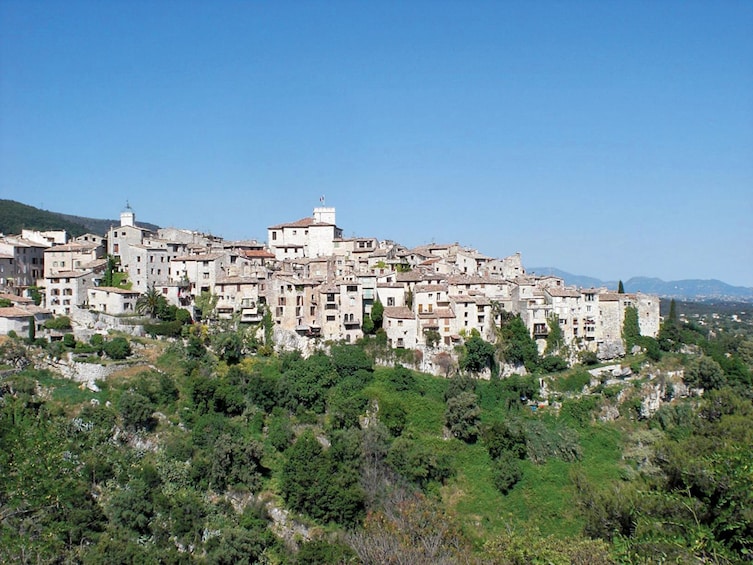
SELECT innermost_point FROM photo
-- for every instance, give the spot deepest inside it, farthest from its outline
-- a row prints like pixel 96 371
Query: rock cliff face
pixel 610 350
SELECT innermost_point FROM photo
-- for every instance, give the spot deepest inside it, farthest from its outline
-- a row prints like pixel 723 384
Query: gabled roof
pixel 399 313
pixel 72 247
pixel 410 276
pixel 302 223
pixel 429 288
pixel 14 312
pixel 16 299
pixel 257 254
pixel 115 290
pixel 203 257
pixel 562 292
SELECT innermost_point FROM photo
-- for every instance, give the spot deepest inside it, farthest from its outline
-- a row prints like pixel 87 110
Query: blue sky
pixel 606 138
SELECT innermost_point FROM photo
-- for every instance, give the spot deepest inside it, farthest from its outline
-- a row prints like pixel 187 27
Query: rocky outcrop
pixel 610 350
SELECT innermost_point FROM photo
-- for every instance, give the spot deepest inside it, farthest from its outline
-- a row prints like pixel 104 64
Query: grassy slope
pixel 543 499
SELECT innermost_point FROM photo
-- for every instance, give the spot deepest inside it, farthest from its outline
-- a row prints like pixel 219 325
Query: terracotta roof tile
pixel 399 313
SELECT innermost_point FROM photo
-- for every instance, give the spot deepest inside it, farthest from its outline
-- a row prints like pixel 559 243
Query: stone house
pixel 112 300
pixel 67 290
pixel 401 326
pixel 309 237
pixel 241 294
pixel 71 256
pixel 17 319
pixel 24 263
pixel 201 272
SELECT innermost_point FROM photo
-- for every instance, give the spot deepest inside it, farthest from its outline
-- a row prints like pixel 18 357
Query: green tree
pixel 150 302
pixel 516 345
pixel 229 347
pixel 432 338
pixel 117 348
pixel 631 331
pixel 555 339
pixel 377 313
pixel 136 411
pixel 505 437
pixel 669 336
pixel 506 471
pixel 463 416
pixel 205 304
pixel 313 484
pixel 108 279
pixel 408 299
pixel 35 295
pixel 368 325
pixel 58 323
pixel 620 288
pixel 479 355
pixel 704 372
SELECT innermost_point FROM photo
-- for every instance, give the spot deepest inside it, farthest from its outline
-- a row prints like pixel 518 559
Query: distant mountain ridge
pixel 697 289
pixel 15 216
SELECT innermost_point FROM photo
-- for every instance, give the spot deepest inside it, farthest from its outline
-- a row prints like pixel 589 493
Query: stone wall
pixel 87 373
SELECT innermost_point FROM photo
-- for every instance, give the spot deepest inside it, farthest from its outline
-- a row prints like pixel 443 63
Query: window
pixel 274 236
pixel 330 318
pixel 390 301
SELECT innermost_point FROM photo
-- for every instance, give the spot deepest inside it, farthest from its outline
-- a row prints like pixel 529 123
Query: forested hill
pixel 15 216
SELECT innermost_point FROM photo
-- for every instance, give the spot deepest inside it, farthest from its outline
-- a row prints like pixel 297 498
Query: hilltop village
pixel 315 284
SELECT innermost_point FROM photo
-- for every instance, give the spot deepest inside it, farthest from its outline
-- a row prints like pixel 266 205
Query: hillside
pixel 15 216
pixel 204 451
pixel 697 289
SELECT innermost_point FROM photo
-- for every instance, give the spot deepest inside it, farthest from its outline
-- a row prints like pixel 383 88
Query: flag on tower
pixel 321 199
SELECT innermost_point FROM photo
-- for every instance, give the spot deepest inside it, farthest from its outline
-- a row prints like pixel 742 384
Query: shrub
pixel 574 382
pixel 69 340
pixel 59 323
pixel 393 416
pixel 117 348
pixel 505 437
pixel 462 416
pixel 553 364
pixel 401 379
pixel 588 358
pixel 553 440
pixel 506 472
pixel 136 411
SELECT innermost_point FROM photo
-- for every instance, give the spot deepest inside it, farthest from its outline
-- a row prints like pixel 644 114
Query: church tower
pixel 128 216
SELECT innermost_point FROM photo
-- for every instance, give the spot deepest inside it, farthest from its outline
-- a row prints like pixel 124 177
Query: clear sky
pixel 606 138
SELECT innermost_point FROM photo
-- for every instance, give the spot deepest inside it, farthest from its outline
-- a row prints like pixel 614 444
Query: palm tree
pixel 149 302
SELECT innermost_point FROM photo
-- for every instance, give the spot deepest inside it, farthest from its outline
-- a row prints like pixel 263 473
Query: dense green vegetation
pixel 195 455
pixel 15 216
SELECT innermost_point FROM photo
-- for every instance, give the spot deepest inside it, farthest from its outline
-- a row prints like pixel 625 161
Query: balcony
pixel 540 331
pixel 350 321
